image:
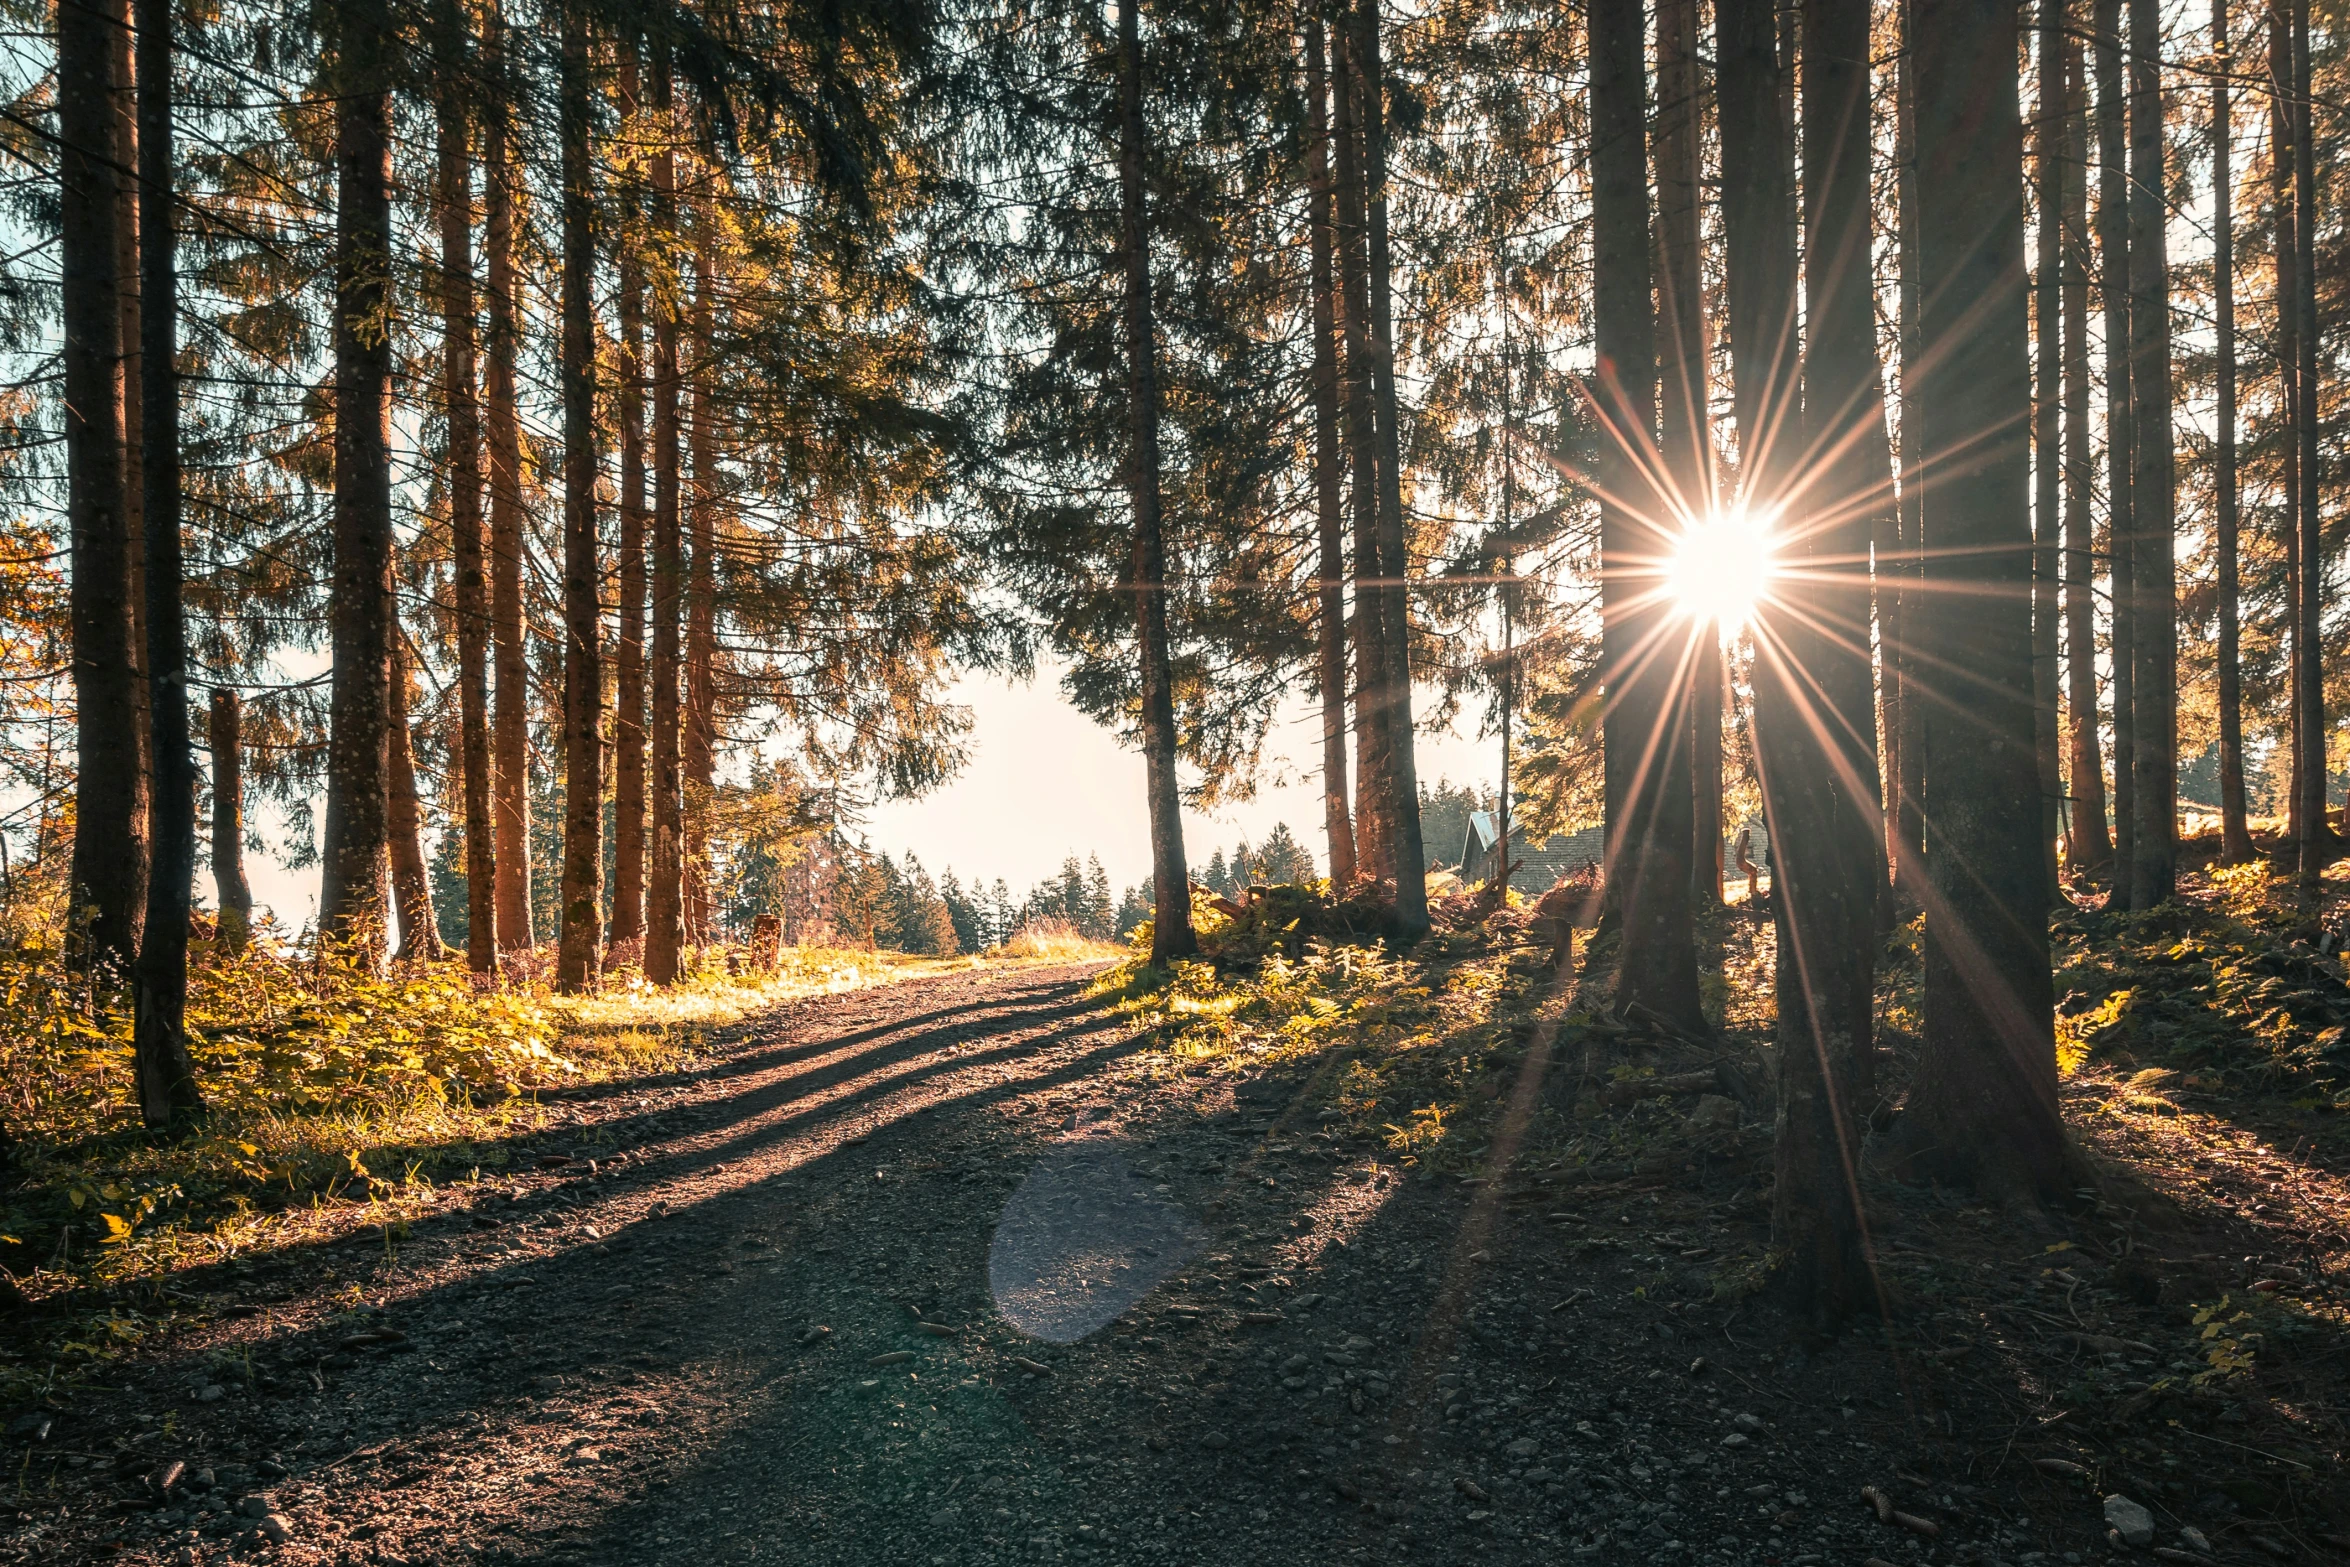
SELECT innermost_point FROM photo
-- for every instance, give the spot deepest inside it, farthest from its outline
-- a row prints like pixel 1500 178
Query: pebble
pixel 1750 1424
pixel 2196 1539
pixel 276 1528
pixel 211 1393
pixel 33 1427
pixel 1215 1441
pixel 1524 1447
pixel 2129 1520
pixel 1737 1439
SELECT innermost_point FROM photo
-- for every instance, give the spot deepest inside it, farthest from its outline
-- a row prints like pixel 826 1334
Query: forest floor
pixel 978 1269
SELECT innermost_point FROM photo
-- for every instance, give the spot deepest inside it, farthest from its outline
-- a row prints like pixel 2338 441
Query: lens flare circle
pixel 1722 566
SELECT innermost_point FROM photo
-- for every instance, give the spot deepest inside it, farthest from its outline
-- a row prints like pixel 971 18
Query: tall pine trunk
pixel 1687 427
pixel 461 404
pixel 165 1071
pixel 109 871
pixel 1905 773
pixel 124 72
pixel 1982 1108
pixel 353 857
pixel 225 739
pixel 2091 840
pixel 2047 426
pixel 1394 595
pixel 1374 795
pixel 665 884
pixel 1329 463
pixel 698 747
pixel 581 941
pixel 2114 211
pixel 420 933
pixel 2318 840
pixel 2288 352
pixel 509 629
pixel 2235 833
pixel 628 660
pixel 1645 742
pixel 1171 933
pixel 2154 568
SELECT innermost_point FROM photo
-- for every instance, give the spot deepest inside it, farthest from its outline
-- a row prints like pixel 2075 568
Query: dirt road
pixel 953 1272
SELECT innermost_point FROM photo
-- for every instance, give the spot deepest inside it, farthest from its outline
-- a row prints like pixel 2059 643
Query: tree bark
pixel 124 72
pixel 226 741
pixel 351 888
pixel 1394 595
pixel 165 1071
pixel 420 932
pixel 1906 772
pixel 2047 427
pixel 462 409
pixel 628 662
pixel 665 886
pixel 109 870
pixel 509 630
pixel 699 744
pixel 2115 204
pixel 2318 839
pixel 1982 1109
pixel 1645 739
pixel 1171 933
pixel 1687 435
pixel 2091 840
pixel 2288 351
pixel 1329 460
pixel 2235 833
pixel 1374 794
pixel 581 942
pixel 2153 483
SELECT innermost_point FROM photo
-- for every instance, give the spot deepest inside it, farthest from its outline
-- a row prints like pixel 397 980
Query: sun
pixel 1721 567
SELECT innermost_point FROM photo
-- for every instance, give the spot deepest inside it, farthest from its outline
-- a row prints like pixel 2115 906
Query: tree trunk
pixel 125 75
pixel 462 408
pixel 2318 840
pixel 1685 397
pixel 2091 841
pixel 581 942
pixel 420 933
pixel 665 887
pixel 1906 772
pixel 2114 211
pixel 1394 595
pixel 109 872
pixel 226 740
pixel 2154 568
pixel 1329 459
pixel 2288 339
pixel 1374 794
pixel 2047 428
pixel 1171 933
pixel 351 884
pixel 1982 1109
pixel 1645 742
pixel 628 663
pixel 1759 245
pixel 2235 833
pixel 160 1061
pixel 699 744
pixel 509 630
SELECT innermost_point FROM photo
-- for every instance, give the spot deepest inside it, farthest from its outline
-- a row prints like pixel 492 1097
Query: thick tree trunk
pixel 2288 353
pixel 226 740
pixel 1374 795
pixel 1983 1106
pixel 2154 571
pixel 462 409
pixel 1171 933
pixel 2090 839
pixel 1906 770
pixel 109 873
pixel 1329 464
pixel 2115 205
pixel 2047 428
pixel 166 1073
pixel 351 884
pixel 1759 246
pixel 2319 842
pixel 124 71
pixel 1645 742
pixel 1687 426
pixel 509 630
pixel 665 886
pixel 2235 834
pixel 1394 596
pixel 628 661
pixel 420 932
pixel 581 943
pixel 699 744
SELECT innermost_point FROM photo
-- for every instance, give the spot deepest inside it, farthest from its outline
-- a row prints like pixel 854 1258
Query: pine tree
pixel 583 666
